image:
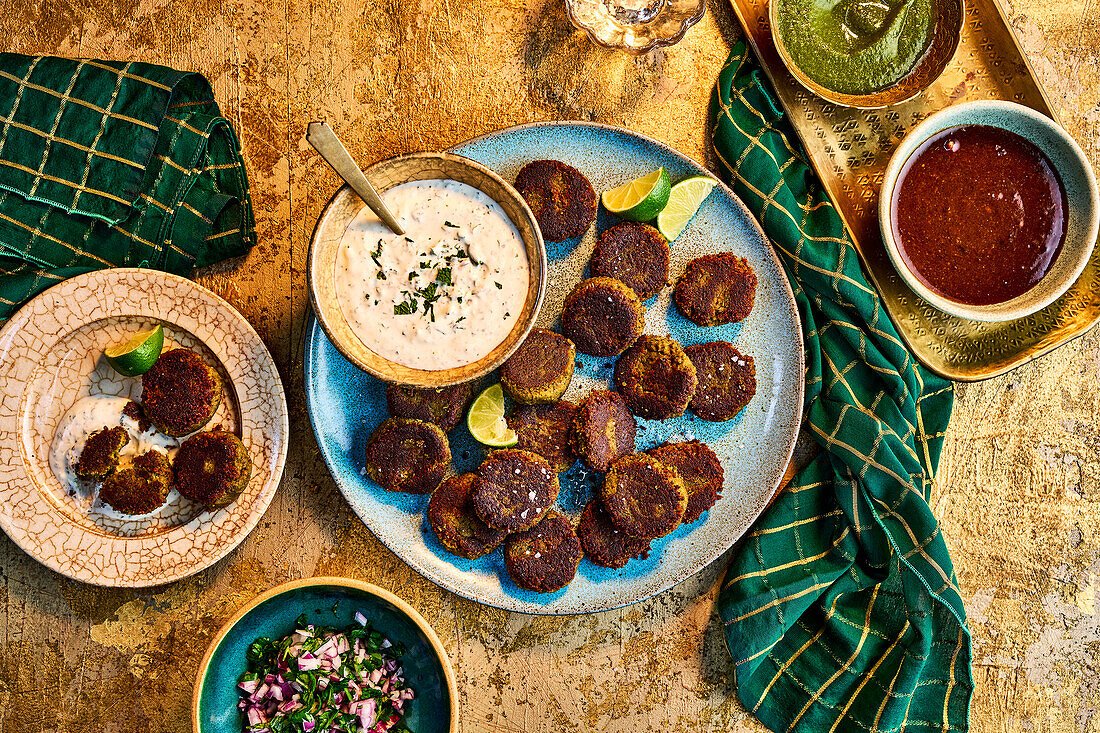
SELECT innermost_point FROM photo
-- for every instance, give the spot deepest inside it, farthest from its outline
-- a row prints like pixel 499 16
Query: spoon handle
pixel 324 140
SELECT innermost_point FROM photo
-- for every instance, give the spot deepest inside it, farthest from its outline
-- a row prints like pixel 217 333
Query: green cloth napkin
pixel 112 164
pixel 841 608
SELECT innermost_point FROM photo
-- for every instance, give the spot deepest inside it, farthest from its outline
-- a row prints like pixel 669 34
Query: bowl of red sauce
pixel 989 210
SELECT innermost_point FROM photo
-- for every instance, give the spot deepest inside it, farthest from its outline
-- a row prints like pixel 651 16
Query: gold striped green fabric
pixel 841 608
pixel 112 164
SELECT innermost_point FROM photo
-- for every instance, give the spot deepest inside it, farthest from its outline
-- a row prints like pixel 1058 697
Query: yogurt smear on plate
pixel 447 292
pixel 85 417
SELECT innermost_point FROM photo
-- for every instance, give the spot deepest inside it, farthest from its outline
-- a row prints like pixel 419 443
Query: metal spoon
pixel 325 142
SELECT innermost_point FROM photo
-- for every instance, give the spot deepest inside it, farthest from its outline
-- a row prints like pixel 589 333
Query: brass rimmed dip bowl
pixel 343 209
pixel 1075 178
pixel 947 18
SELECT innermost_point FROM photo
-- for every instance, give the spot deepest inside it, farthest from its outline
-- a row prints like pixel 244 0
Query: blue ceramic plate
pixel 326 602
pixel 345 404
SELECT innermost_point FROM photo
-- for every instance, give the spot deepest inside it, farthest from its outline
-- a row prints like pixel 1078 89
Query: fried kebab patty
pixel 716 289
pixel 655 377
pixel 408 455
pixel 180 393
pixel 562 199
pixel 700 471
pixel 727 380
pixel 545 429
pixel 141 487
pixel 602 316
pixel 544 558
pixel 212 468
pixel 99 456
pixel 644 497
pixel 603 430
pixel 603 542
pixel 452 517
pixel 540 370
pixel 445 407
pixel 514 489
pixel 636 254
pixel 133 411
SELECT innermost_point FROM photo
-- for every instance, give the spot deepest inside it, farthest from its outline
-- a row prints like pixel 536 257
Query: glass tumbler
pixel 636 26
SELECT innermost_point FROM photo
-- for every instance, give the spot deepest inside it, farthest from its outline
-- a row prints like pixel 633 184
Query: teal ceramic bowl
pixel 329 602
pixel 1068 160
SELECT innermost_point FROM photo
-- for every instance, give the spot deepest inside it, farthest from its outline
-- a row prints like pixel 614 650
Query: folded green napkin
pixel 841 608
pixel 112 164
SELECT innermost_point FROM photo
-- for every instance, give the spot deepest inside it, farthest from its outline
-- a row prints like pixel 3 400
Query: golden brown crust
pixel 716 289
pixel 445 407
pixel 141 487
pixel 700 471
pixel 514 489
pixel 602 316
pixel 540 370
pixel 452 517
pixel 562 199
pixel 644 497
pixel 212 468
pixel 636 254
pixel 181 393
pixel 727 380
pixel 655 377
pixel 408 455
pixel 603 430
pixel 100 453
pixel 545 558
pixel 605 544
pixel 545 429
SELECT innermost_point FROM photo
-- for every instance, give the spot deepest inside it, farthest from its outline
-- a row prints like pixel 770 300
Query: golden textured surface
pixel 1018 491
pixel 850 149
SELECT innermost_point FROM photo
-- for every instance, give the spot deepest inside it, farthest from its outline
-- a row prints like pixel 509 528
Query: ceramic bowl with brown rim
pixel 329 602
pixel 947 17
pixel 343 209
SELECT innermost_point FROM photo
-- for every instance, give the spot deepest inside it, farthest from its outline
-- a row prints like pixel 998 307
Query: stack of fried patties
pixel 180 395
pixel 643 496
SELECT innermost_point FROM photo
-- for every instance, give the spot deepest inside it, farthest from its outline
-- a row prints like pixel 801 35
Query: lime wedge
pixel 486 422
pixel 683 202
pixel 641 199
pixel 137 355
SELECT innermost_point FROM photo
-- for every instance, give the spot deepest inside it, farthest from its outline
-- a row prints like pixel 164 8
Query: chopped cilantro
pixel 499 286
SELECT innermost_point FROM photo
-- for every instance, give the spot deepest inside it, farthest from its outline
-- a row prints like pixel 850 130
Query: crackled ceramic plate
pixel 51 356
pixel 345 404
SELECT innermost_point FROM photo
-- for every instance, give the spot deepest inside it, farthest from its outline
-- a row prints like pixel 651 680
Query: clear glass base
pixel 635 25
pixel 633 12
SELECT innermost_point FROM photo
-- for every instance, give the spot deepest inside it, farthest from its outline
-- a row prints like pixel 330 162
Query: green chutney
pixel 856 46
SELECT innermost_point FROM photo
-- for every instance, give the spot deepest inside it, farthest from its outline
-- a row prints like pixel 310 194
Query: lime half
pixel 683 202
pixel 641 199
pixel 486 422
pixel 137 355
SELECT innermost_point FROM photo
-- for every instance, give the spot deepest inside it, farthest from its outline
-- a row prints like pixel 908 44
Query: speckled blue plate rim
pixel 319 584
pixel 509 597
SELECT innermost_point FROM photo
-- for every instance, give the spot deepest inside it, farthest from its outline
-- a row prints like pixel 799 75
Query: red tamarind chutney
pixel 979 214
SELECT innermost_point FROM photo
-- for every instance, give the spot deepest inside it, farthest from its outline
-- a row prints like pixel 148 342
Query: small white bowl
pixel 1073 169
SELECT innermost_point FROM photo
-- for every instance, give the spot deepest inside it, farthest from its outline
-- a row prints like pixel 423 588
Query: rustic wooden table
pixel 1019 486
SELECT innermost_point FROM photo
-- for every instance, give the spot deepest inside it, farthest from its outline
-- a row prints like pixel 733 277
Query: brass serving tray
pixel 849 148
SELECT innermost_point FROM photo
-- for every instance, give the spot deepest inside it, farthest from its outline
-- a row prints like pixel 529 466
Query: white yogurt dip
pixel 447 292
pixel 85 417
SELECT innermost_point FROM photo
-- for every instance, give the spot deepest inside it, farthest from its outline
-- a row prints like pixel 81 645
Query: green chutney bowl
pixel 326 602
pixel 946 35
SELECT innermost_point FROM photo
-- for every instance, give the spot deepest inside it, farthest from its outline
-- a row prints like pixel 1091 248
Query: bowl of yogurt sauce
pixel 451 298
